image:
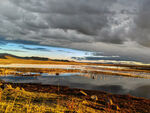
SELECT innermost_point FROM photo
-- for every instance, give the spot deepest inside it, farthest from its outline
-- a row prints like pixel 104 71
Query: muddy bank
pixel 126 103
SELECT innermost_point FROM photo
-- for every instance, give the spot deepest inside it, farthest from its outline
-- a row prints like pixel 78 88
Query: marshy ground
pixel 38 98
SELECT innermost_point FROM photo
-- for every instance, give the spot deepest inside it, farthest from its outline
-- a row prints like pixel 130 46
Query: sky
pixel 80 29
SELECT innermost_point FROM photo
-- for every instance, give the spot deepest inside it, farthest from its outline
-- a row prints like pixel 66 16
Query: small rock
pixel 94 97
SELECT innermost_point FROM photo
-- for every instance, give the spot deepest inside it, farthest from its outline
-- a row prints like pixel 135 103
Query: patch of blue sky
pixel 41 51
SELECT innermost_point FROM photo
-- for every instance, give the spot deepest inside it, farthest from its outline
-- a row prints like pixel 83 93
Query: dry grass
pixel 120 69
pixel 117 72
pixel 16 100
pixel 38 71
pixel 13 60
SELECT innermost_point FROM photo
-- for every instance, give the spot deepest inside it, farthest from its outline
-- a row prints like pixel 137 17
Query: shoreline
pixel 125 102
pixel 135 73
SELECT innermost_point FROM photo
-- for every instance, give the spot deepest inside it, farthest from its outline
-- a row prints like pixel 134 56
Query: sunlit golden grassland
pixel 16 100
pixel 13 60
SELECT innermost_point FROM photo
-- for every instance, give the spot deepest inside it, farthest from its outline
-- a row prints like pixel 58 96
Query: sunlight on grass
pixel 16 100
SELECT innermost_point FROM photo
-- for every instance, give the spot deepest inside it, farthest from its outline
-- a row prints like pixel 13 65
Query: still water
pixel 114 84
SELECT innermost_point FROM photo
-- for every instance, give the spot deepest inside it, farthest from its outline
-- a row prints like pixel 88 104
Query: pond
pixel 114 84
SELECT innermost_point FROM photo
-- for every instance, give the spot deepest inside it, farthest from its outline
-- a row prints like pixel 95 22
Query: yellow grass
pixel 13 60
pixel 16 100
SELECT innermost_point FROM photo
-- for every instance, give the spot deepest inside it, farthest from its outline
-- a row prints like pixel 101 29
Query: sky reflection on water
pixel 114 84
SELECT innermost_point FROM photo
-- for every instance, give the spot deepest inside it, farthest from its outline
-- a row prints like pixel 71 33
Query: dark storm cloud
pixel 54 20
pixel 141 30
pixel 109 58
pixel 12 50
pixel 64 51
pixel 66 7
pixel 2 43
pixel 80 24
pixel 35 48
pixel 113 58
pixel 97 54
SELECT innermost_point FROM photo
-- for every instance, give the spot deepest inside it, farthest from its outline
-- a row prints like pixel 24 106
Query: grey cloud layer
pixel 50 21
pixel 141 30
pixel 72 23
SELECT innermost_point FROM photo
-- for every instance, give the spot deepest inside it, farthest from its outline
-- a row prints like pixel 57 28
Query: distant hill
pixel 6 58
pixel 5 55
